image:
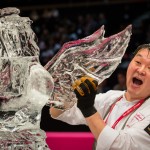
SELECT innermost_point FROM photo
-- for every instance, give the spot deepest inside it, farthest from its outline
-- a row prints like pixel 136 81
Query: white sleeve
pixel 134 138
pixel 72 116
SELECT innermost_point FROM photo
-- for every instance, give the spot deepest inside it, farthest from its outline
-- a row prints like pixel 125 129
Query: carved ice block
pixel 95 56
pixel 25 86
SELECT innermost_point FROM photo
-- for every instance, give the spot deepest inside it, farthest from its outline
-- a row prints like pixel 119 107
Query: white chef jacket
pixel 129 134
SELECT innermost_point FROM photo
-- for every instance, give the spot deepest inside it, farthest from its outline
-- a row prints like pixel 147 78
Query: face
pixel 138 76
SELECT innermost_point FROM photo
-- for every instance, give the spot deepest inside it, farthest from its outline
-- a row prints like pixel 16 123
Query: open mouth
pixel 137 81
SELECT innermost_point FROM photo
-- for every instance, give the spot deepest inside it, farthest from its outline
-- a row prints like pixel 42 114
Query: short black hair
pixel 143 46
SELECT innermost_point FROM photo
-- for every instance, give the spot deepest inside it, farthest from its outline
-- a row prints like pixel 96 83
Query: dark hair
pixel 143 46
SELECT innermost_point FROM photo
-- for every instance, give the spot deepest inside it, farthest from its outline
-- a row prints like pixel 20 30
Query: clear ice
pixel 25 86
pixel 95 56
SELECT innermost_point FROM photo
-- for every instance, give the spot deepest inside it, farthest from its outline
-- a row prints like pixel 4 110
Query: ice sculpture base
pixel 24 140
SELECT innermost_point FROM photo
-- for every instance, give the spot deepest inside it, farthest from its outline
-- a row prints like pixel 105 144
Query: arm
pixel 96 124
pixel 85 90
pixel 71 116
pixel 55 112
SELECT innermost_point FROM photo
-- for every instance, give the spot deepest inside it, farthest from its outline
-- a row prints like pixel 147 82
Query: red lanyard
pixel 127 112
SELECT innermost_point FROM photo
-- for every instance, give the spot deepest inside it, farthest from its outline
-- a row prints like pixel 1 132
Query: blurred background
pixel 58 21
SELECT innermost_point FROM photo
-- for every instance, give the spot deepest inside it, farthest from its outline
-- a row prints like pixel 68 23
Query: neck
pixel 131 98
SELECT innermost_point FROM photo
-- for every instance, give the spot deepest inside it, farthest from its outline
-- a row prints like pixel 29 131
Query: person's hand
pixel 85 89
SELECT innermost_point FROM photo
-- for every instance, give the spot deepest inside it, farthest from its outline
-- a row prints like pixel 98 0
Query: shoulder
pixel 112 93
pixel 103 101
pixel 109 96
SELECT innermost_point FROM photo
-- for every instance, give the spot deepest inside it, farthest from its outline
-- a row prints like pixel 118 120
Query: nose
pixel 141 70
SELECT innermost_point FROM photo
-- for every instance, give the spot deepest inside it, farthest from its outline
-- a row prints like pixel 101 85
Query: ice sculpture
pixel 95 56
pixel 25 85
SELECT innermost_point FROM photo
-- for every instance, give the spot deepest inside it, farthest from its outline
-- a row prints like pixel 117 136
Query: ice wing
pixel 86 42
pixel 94 56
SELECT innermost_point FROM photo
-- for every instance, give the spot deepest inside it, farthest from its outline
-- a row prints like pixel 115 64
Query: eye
pixel 137 62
